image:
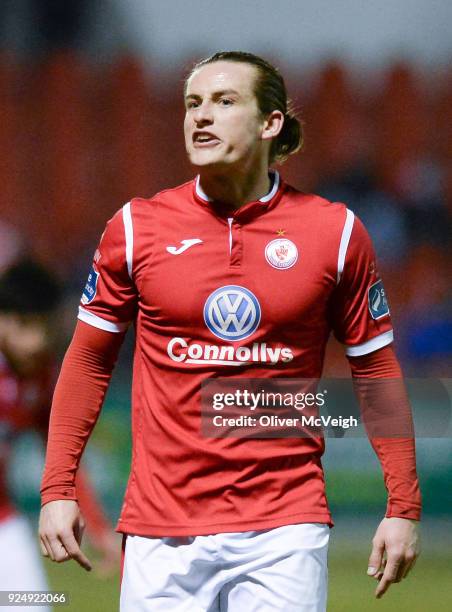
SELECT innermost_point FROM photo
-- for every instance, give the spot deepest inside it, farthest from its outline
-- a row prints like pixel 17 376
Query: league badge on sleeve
pixel 378 303
pixel 89 292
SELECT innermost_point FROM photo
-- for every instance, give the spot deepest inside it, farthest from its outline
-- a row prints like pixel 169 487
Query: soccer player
pixel 29 295
pixel 233 274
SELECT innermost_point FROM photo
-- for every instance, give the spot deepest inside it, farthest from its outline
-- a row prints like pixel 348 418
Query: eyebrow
pixel 216 94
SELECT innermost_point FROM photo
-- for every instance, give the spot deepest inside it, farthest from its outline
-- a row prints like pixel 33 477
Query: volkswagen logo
pixel 232 312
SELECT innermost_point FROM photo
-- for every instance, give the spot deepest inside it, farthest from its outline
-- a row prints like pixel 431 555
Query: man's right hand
pixel 61 528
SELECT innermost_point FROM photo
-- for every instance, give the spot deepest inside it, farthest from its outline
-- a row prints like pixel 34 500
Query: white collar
pixel 274 177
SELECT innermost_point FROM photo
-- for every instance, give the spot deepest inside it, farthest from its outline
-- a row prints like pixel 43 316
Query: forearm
pixel 397 458
pixel 77 401
pixel 387 416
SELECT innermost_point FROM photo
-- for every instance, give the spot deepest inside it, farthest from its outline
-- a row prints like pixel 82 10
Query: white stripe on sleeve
pixel 345 239
pixel 371 345
pixel 88 317
pixel 128 228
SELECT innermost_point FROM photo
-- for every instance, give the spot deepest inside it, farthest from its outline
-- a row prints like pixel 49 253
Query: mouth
pixel 202 139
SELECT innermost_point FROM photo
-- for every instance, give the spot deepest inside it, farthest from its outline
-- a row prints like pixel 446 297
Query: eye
pixel 226 102
pixel 192 104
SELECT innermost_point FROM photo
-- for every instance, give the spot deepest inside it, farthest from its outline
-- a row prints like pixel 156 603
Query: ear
pixel 273 124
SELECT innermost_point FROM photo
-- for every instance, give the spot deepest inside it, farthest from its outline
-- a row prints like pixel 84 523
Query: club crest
pixel 281 253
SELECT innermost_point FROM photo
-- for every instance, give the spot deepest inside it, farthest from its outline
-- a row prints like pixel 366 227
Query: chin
pixel 206 157
pixel 206 161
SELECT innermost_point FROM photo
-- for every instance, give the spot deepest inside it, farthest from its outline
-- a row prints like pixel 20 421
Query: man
pixel 29 295
pixel 234 274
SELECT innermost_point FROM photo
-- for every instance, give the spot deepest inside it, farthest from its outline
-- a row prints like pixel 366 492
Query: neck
pixel 237 188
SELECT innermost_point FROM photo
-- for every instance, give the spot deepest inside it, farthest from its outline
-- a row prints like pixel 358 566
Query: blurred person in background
pixel 11 245
pixel 235 256
pixel 29 297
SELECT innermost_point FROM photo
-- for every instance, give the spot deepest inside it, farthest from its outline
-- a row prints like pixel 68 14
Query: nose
pixel 203 114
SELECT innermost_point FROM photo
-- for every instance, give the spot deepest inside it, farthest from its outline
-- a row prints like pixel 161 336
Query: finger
pixel 46 546
pixel 46 542
pixel 57 550
pixel 405 566
pixel 402 569
pixel 409 566
pixel 79 529
pixel 43 548
pixel 74 551
pixel 376 557
pixel 389 576
pixel 407 563
pixel 378 576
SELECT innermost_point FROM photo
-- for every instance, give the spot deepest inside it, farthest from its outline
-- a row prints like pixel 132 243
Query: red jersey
pixel 254 293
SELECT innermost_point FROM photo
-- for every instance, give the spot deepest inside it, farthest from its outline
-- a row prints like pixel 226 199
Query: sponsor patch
pixel 378 303
pixel 281 253
pixel 89 292
pixel 232 313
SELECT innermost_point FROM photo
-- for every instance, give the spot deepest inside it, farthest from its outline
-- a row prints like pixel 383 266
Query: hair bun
pixel 290 139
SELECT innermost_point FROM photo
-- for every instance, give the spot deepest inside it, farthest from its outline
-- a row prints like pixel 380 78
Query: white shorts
pixel 284 568
pixel 20 562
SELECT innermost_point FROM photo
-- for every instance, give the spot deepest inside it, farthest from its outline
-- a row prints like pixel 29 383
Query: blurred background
pixel 91 115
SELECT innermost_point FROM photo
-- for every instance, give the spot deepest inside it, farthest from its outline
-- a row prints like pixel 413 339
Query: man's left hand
pixel 395 548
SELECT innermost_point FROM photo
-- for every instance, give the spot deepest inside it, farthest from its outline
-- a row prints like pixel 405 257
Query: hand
pixel 398 539
pixel 60 532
